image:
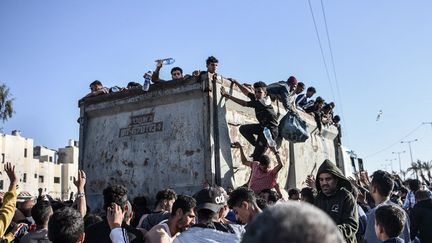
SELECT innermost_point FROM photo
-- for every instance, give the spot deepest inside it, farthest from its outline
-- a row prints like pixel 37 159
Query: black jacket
pixel 99 233
pixel 421 220
pixel 341 206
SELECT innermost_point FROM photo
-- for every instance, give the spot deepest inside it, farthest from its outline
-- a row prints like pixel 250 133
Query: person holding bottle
pixel 176 72
pixel 264 112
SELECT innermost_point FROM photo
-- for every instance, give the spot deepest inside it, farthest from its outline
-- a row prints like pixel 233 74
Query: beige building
pixel 39 167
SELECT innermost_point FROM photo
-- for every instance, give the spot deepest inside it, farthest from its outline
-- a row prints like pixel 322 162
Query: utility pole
pixel 409 145
pixel 390 163
pixel 399 153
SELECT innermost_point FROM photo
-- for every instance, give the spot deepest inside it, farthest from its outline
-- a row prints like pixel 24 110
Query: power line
pixel 321 49
pixel 339 96
pixel 393 144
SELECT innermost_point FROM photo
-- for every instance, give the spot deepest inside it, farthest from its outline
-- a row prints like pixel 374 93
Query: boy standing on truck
pixel 264 112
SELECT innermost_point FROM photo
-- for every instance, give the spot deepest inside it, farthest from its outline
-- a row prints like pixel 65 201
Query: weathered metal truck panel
pixel 178 135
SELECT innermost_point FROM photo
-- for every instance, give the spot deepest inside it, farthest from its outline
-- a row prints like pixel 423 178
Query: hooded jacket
pixel 341 206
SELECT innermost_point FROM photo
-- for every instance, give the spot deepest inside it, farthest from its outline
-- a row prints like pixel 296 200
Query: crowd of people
pixel 331 208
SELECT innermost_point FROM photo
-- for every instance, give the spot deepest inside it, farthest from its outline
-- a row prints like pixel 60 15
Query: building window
pixel 70 178
pixel 35 176
pixel 57 180
pixel 41 179
pixel 1 184
pixel 50 159
pixel 25 177
pixel 25 153
pixel 3 158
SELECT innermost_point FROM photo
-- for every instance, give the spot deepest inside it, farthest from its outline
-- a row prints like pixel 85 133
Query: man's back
pixel 99 233
pixel 421 220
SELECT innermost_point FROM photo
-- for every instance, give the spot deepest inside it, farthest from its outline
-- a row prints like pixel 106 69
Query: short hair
pixel 185 203
pixel 41 212
pixel 414 185
pixel 133 85
pixel 403 189
pixel 176 69
pixel 65 226
pixel 115 194
pixel 308 194
pixel 206 215
pixel 292 222
pixel 211 59
pixel 96 82
pixel 272 197
pixel 319 99
pixel 336 118
pixel 262 203
pixel 293 191
pixel 240 195
pixel 166 194
pixel 311 89
pixel 264 160
pixel 421 195
pixel 260 84
pixel 301 84
pixel 383 181
pixel 391 218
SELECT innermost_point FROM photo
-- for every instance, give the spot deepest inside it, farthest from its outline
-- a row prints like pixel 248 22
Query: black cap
pixel 210 198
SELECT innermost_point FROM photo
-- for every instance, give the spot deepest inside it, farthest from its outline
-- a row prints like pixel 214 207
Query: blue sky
pixel 51 50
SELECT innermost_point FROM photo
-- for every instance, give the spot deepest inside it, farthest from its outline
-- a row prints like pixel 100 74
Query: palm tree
pixel 6 103
pixel 427 166
pixel 414 169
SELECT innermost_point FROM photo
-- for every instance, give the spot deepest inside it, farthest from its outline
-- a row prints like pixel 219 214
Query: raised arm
pixel 8 207
pixel 81 199
pixel 236 100
pixel 155 76
pixel 280 163
pixel 242 88
pixel 244 160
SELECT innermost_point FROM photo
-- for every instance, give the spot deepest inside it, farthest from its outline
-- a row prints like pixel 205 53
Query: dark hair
pixel 383 181
pixel 133 85
pixel 336 118
pixel 421 195
pixel 308 194
pixel 391 218
pixel 91 219
pixel 185 203
pixel 240 195
pixel 166 194
pixel 301 84
pixel 414 185
pixel 211 59
pixel 262 203
pixel 292 222
pixel 115 194
pixel 96 82
pixel 272 197
pixel 65 226
pixel 319 99
pixel 260 84
pixel 176 69
pixel 206 215
pixel 403 189
pixel 264 160
pixel 311 89
pixel 293 191
pixel 41 212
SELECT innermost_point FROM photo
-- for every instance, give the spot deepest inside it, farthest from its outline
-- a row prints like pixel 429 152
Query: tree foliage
pixel 6 103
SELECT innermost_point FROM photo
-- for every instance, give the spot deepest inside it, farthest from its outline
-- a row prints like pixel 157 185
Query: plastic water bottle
pixel 167 61
pixel 269 138
pixel 147 79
